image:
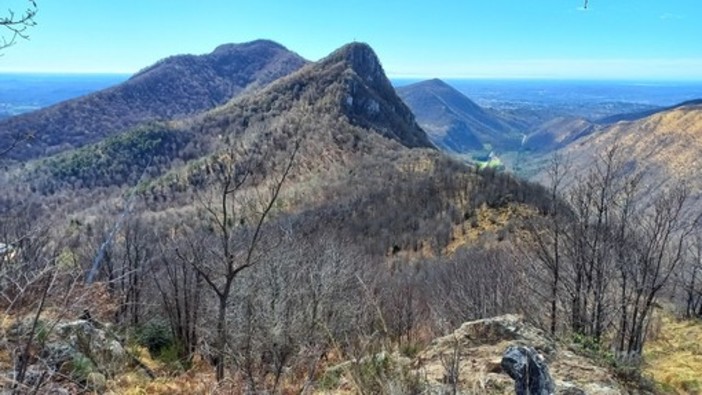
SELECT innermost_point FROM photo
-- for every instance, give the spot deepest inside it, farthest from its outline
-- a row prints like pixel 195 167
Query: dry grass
pixel 674 357
pixel 666 144
pixel 198 380
pixel 487 222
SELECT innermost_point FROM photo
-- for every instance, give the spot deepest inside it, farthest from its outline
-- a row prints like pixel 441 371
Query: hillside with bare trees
pixel 307 237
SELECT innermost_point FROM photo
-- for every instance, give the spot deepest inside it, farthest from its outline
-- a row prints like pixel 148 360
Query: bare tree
pixel 546 237
pixel 237 241
pixel 17 24
pixel 134 253
pixel 661 241
pixel 180 289
pixel 473 284
pixel 589 242
pixel 690 279
pixel 452 366
pixel 28 283
pixel 5 150
pixel 614 250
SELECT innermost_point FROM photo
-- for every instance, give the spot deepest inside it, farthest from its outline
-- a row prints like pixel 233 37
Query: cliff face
pixel 348 87
pixel 370 101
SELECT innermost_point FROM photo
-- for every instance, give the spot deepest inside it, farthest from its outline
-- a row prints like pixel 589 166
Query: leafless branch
pixel 17 25
pixel 15 141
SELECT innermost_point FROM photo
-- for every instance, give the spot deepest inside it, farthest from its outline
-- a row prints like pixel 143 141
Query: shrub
pixel 330 379
pixel 410 350
pixel 156 337
pixel 80 367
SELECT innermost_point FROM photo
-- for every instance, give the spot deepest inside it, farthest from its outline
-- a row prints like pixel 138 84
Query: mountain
pixel 369 209
pixel 343 104
pixel 454 122
pixel 364 164
pixel 344 98
pixel 175 87
pixel 666 145
pixel 375 244
pixel 633 116
pixel 556 133
pixel 365 172
pixel 370 99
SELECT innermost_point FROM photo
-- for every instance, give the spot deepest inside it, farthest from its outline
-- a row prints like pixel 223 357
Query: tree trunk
pixel 554 297
pixel 221 337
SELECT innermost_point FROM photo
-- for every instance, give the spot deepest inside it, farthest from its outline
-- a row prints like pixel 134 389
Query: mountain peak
pixel 453 121
pixel 436 82
pixel 175 87
pixel 370 100
pixel 351 83
pixel 360 57
pixel 355 50
pixel 261 43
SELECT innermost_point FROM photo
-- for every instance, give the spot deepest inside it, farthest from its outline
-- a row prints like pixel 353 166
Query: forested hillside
pixel 173 88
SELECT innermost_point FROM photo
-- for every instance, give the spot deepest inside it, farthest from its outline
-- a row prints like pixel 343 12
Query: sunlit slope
pixel 666 145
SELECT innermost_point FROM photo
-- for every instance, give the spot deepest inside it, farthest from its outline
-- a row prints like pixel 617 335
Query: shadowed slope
pixel 455 122
pixel 175 87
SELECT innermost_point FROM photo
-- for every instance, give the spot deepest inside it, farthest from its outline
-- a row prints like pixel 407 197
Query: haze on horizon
pixel 545 39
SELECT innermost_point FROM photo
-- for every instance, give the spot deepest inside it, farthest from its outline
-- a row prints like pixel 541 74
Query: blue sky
pixel 612 39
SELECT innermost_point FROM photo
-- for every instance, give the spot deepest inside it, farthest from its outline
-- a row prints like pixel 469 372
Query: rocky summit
pixel 370 101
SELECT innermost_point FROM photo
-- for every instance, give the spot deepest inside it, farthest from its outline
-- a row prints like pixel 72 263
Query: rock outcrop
pixel 369 99
pixel 83 350
pixel 480 350
pixel 528 370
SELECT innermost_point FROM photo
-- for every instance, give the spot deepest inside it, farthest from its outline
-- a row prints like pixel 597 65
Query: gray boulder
pixel 528 370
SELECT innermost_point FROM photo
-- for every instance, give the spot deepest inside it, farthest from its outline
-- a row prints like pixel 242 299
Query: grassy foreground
pixel 674 354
